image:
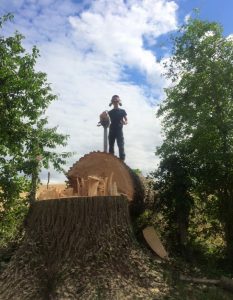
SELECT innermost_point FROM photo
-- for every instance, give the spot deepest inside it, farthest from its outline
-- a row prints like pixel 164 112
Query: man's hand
pixel 124 122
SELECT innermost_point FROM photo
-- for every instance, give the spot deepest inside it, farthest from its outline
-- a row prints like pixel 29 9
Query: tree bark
pixel 76 248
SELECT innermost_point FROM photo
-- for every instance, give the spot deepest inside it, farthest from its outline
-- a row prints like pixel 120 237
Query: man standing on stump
pixel 118 118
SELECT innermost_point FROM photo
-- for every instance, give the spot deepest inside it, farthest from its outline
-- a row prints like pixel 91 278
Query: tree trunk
pixel 111 171
pixel 228 231
pixel 77 248
pixel 226 212
pixel 34 180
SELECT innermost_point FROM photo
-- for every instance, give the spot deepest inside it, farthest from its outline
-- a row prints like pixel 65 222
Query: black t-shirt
pixel 116 116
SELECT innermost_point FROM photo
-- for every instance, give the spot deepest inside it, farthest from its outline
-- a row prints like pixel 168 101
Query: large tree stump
pixel 78 248
pixel 115 178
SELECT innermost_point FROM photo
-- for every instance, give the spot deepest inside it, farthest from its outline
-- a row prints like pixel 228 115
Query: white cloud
pixel 230 37
pixel 187 18
pixel 118 33
pixel 85 52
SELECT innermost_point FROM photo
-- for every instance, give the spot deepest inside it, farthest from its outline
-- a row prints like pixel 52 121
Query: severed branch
pixel 224 282
pixel 199 280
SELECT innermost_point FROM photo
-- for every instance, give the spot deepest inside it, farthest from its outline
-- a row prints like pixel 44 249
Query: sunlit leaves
pixel 25 135
pixel 197 114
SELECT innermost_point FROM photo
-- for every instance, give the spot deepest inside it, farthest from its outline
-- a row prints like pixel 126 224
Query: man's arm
pixel 125 120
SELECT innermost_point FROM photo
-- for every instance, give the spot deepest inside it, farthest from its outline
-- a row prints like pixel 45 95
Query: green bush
pixel 11 221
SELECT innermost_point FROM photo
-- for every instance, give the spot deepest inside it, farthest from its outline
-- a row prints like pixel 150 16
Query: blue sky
pixel 92 50
pixel 212 10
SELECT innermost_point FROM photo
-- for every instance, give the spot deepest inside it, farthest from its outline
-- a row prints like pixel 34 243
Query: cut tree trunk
pixel 107 175
pixel 78 248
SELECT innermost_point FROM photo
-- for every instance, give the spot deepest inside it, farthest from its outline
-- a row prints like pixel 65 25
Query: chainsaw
pixel 105 122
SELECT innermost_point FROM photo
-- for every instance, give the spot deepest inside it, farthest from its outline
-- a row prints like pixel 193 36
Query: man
pixel 118 118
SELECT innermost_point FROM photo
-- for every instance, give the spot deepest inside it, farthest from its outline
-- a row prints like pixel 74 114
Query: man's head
pixel 115 101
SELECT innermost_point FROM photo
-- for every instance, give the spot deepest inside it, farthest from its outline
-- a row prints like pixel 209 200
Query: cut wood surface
pixel 107 168
pixel 154 242
pixel 100 174
pixel 80 248
pixel 96 186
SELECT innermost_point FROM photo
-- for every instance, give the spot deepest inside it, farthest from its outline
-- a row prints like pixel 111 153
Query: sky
pixel 91 50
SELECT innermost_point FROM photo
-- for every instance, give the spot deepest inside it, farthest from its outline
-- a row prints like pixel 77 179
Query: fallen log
pixel 223 282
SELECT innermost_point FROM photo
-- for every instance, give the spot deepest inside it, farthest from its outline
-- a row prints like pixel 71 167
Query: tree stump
pixel 78 248
pixel 113 175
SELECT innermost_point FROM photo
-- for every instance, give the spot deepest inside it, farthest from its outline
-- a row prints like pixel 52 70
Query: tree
pixel 174 185
pixel 26 142
pixel 198 112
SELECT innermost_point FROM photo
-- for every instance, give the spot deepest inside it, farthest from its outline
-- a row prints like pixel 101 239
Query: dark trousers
pixel 116 134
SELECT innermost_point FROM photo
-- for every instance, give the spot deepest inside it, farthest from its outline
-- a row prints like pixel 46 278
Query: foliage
pixel 142 221
pixel 11 221
pixel 174 186
pixel 137 171
pixel 205 230
pixel 26 142
pixel 198 114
